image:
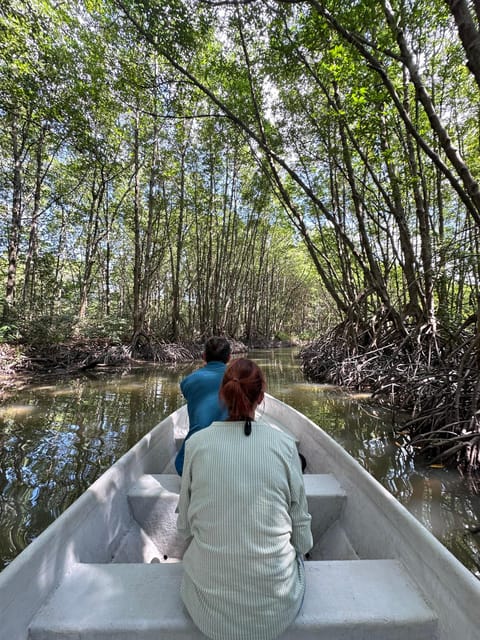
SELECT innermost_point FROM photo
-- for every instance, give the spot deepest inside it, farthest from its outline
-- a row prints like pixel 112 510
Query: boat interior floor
pixel 137 595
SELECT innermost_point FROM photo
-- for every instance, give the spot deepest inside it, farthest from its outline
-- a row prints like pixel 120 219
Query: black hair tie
pixel 248 426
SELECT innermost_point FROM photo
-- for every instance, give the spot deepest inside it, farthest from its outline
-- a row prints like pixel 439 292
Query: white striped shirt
pixel 243 502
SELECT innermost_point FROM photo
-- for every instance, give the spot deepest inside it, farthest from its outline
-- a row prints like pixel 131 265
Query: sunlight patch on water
pixel 65 393
pixel 46 388
pixel 360 396
pixel 313 387
pixel 55 391
pixel 17 410
pixel 127 386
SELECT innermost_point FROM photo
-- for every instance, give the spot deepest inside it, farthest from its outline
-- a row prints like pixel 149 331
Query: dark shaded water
pixel 57 439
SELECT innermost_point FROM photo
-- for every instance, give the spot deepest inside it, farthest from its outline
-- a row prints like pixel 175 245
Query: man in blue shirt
pixel 200 389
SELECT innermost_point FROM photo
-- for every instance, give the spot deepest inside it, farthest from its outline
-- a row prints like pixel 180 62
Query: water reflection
pixel 70 434
pixel 57 439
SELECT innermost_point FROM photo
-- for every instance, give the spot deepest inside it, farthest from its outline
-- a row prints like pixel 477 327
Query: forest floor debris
pixel 23 365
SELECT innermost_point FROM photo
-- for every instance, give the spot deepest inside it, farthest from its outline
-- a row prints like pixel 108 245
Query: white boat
pixel 109 567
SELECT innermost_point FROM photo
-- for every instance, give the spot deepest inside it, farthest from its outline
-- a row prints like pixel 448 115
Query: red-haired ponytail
pixel 242 387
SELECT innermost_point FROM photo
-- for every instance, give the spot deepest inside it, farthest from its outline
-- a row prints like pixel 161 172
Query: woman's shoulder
pixel 205 433
pixel 276 433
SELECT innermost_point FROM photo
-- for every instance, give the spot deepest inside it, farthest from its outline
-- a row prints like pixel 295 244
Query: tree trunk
pixel 468 32
pixel 16 218
pixel 95 234
pixel 32 254
pixel 137 259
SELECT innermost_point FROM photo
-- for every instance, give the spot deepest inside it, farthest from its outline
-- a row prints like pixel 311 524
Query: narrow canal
pixel 56 439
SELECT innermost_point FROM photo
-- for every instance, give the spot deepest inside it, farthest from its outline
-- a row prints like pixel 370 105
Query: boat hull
pixel 99 528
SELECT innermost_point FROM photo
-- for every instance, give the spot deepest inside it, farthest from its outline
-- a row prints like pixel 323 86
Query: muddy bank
pixel 22 365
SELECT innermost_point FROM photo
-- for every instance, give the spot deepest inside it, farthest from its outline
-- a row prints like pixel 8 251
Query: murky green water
pixel 57 439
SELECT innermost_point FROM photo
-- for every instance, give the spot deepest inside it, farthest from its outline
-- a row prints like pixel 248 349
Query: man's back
pixel 200 389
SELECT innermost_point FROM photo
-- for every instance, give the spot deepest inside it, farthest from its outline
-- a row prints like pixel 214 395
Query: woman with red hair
pixel 243 504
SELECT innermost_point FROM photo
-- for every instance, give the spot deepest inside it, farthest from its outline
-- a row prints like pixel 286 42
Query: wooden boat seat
pixel 153 501
pixel 344 600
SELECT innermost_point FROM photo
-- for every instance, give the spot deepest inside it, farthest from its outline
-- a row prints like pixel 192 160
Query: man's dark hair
pixel 217 348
